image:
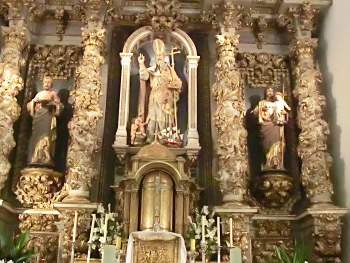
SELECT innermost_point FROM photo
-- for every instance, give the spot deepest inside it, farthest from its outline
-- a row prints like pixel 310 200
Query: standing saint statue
pixel 272 116
pixel 165 89
pixel 43 108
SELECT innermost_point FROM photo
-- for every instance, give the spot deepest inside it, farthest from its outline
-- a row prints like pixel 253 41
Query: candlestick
pixel 203 230
pixel 72 252
pixel 219 254
pixel 89 252
pixel 218 229
pixel 105 229
pixel 192 255
pixel 92 227
pixel 231 232
pixel 75 226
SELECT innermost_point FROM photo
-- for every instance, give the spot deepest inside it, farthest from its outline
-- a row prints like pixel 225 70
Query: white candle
pixel 109 208
pixel 231 232
pixel 218 229
pixel 75 225
pixel 105 229
pixel 92 227
pixel 203 231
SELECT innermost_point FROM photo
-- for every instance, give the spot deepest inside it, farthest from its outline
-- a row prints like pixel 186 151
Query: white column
pixel 193 141
pixel 121 134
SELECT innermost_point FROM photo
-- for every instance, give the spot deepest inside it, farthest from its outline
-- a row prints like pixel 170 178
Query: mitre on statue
pixel 158 46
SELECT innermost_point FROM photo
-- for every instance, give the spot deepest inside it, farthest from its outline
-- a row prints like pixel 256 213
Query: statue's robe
pixel 42 141
pixel 165 89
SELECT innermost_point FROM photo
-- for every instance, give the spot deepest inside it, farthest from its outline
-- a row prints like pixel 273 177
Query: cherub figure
pixel 280 109
pixel 137 128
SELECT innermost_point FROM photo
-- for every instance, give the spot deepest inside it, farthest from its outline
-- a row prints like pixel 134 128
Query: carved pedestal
pixel 67 213
pixel 37 185
pixel 241 220
pixel 322 226
pixel 41 223
pixel 273 188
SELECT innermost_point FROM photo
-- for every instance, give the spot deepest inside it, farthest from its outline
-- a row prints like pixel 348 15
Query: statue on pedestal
pixel 165 87
pixel 43 108
pixel 272 115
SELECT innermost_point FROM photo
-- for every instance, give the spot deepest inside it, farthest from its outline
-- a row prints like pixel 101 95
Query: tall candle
pixel 203 230
pixel 75 225
pixel 231 232
pixel 105 229
pixel 118 242
pixel 218 229
pixel 92 227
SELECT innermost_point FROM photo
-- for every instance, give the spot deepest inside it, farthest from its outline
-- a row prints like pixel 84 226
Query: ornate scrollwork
pixel 83 126
pixel 56 61
pixel 37 185
pixel 38 222
pixel 162 15
pixel 229 122
pixel 312 147
pixel 262 70
pixel 272 228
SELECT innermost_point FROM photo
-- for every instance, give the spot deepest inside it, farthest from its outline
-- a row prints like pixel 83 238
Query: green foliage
pixel 14 249
pixel 301 253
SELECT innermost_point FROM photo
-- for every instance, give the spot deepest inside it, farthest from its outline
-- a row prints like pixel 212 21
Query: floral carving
pixel 312 147
pixel 57 61
pixel 162 15
pixel 262 70
pixel 265 250
pixel 11 83
pixel 229 123
pixel 272 228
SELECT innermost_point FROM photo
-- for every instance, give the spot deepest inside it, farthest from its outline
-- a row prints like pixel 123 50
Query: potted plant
pixel 301 253
pixel 13 250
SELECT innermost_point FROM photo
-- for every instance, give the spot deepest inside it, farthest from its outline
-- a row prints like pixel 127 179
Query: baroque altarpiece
pixel 158 107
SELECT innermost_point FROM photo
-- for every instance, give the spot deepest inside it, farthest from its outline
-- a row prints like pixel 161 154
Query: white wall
pixel 334 57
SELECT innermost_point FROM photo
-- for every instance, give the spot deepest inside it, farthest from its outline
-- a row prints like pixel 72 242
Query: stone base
pixel 37 185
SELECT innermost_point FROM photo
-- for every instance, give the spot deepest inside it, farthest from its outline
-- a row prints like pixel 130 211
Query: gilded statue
pixel 43 108
pixel 272 113
pixel 165 87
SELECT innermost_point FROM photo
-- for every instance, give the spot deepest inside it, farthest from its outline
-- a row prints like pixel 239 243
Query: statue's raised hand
pixel 141 59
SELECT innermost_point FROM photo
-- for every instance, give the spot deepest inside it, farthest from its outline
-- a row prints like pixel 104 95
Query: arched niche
pixel 136 39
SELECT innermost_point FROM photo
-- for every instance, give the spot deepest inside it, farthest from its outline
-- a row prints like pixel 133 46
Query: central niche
pixel 157 201
pixel 146 94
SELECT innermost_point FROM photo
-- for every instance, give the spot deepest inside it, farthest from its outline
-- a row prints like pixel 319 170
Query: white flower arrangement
pixel 194 229
pixel 3 261
pixel 114 228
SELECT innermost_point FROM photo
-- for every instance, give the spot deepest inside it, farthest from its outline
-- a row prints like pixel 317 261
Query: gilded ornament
pixel 312 148
pixel 229 123
pixel 14 41
pixel 162 15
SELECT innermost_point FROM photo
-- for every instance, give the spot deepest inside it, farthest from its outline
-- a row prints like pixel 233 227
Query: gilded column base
pixel 37 185
pixel 273 188
pixel 77 196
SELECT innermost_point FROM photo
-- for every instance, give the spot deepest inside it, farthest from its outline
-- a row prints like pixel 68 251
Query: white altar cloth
pixel 182 256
